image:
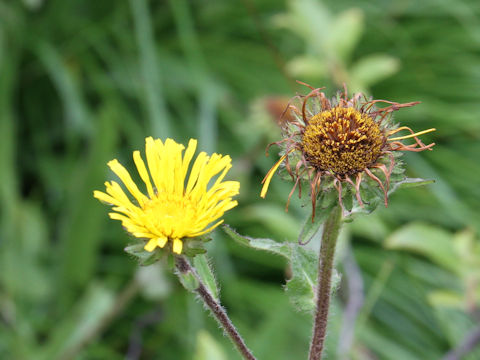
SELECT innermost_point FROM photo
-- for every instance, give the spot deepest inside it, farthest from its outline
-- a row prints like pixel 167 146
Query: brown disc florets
pixel 342 140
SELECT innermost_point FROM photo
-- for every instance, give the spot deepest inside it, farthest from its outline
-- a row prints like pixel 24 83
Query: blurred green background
pixel 82 82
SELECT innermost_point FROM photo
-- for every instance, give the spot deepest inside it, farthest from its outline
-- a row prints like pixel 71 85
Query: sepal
pixel 195 246
pixel 143 256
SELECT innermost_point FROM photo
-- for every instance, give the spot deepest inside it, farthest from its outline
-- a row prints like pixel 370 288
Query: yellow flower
pixel 174 209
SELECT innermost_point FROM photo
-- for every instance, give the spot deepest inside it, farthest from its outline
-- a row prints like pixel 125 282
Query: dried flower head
pixel 341 141
pixel 173 211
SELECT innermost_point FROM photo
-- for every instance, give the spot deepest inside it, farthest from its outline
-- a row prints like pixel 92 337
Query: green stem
pixel 184 268
pixel 331 229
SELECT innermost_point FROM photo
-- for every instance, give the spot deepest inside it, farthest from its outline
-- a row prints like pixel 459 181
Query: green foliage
pixel 208 348
pixel 206 274
pixel 143 256
pixel 457 253
pixel 330 41
pixel 82 321
pixel 303 264
pixel 189 280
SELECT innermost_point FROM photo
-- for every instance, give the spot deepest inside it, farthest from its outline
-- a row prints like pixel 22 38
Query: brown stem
pixel 217 310
pixel 331 229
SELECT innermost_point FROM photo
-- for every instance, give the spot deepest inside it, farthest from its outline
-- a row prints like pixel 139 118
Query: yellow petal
pixel 141 234
pixel 167 170
pixel 161 241
pixel 150 246
pixel 152 150
pixel 215 164
pixel 117 216
pixel 222 175
pixel 208 229
pixel 177 170
pixel 268 177
pixel 123 174
pixel 142 171
pixel 192 146
pixel 116 192
pixel 104 197
pixel 177 246
pixel 412 135
pixel 199 163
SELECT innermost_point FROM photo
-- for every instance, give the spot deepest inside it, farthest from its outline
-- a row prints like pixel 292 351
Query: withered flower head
pixel 341 141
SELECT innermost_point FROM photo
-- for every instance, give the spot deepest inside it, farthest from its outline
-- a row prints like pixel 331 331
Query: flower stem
pixel 331 229
pixel 217 310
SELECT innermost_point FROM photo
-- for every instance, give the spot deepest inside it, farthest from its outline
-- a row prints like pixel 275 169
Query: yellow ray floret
pixel 175 208
pixel 271 172
pixel 410 135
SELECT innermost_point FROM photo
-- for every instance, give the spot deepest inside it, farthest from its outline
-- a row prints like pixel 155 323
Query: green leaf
pixel 205 272
pixel 372 195
pixel 447 299
pixel 307 66
pixel 159 117
pixel 467 247
pixel 301 287
pixel 310 20
pixel 86 317
pixel 303 262
pixel 188 280
pixel 311 227
pixel 427 240
pixel 409 183
pixel 208 348
pixel 456 325
pixel 259 244
pixel 273 218
pixel 346 32
pixel 63 78
pixel 371 69
pixel 22 255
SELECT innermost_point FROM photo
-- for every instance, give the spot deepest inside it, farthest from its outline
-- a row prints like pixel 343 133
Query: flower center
pixel 170 215
pixel 342 140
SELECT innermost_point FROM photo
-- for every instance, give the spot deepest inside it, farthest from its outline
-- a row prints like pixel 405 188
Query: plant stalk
pixel 331 229
pixel 217 310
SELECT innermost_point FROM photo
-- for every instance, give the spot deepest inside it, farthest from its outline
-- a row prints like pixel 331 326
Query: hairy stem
pixel 331 229
pixel 217 310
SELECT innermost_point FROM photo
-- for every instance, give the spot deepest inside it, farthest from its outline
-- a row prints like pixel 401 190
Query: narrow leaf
pixel 409 183
pixel 205 272
pixel 259 244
